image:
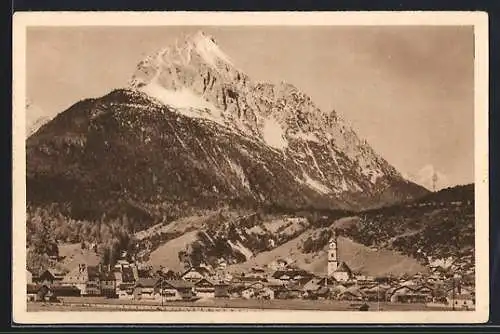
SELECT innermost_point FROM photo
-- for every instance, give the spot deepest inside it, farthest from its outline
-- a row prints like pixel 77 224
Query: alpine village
pixel 173 192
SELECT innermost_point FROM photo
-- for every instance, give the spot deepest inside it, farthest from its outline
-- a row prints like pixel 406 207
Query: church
pixel 339 271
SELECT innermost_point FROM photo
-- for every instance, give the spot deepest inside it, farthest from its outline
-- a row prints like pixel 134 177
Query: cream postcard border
pixel 479 20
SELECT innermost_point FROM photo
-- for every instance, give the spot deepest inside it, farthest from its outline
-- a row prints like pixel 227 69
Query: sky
pixel 407 90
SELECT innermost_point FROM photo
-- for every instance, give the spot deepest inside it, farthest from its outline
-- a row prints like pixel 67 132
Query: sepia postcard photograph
pixel 210 167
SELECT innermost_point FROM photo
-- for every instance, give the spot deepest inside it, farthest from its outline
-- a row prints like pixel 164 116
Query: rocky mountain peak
pixel 192 128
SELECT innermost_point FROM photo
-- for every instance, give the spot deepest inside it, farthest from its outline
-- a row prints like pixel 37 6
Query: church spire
pixel 332 254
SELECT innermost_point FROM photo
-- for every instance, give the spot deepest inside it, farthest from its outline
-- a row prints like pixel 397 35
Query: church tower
pixel 333 262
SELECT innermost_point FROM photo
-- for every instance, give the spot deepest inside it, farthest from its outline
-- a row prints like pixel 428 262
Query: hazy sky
pixel 407 90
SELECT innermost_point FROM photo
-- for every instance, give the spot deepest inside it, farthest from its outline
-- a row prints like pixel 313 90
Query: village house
pixel 93 285
pixel 343 273
pixel 265 293
pixel 251 290
pixel 257 272
pixel 289 291
pixel 235 289
pixel 50 277
pixel 407 294
pixel 327 281
pixel 166 274
pixel 108 284
pixel 126 287
pixel 176 290
pixel 351 294
pixel 465 301
pixel 374 293
pixel 337 290
pixel 65 291
pixel 145 289
pixel 125 291
pixel 195 274
pixel 273 282
pixel 311 286
pixel 204 288
pixel 246 280
pixel 363 280
pixel 257 290
pixel 292 275
pixel 279 264
pixel 78 277
pixel 38 292
pixel 321 293
pixel 221 290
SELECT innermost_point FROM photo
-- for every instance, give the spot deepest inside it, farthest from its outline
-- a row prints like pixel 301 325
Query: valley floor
pixel 215 305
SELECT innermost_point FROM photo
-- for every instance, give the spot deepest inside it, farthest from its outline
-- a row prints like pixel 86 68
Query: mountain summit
pixel 194 131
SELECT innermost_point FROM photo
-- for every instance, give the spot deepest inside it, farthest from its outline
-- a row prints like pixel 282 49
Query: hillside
pixel 437 226
pixel 259 240
pixel 393 240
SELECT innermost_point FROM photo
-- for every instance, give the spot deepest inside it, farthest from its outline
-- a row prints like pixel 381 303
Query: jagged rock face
pixel 331 158
pixel 195 132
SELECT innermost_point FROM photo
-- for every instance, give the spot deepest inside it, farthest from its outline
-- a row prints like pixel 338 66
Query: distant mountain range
pixel 194 132
pixel 430 178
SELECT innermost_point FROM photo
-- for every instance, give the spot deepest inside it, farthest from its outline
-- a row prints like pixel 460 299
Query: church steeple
pixel 333 262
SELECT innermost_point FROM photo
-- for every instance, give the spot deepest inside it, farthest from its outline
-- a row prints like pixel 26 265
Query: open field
pixel 102 304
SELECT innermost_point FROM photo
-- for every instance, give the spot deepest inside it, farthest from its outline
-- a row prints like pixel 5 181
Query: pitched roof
pixel 202 270
pixel 323 290
pixel 76 275
pixel 204 280
pixel 343 268
pixel 52 272
pixel 146 282
pixel 178 284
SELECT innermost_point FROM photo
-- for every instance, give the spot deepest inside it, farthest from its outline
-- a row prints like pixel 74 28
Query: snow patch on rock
pixel 316 185
pixel 240 173
pixel 273 134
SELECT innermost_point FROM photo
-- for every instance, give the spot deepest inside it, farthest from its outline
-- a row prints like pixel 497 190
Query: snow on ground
pixel 316 185
pixel 208 50
pixel 273 134
pixel 309 136
pixel 240 173
pixel 311 154
pixel 187 102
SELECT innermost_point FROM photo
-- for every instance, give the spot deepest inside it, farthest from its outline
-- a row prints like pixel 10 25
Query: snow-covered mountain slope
pixel 35 118
pixel 194 132
pixel 198 79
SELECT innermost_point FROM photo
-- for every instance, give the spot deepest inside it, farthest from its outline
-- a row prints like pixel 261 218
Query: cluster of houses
pixel 125 281
pixel 279 280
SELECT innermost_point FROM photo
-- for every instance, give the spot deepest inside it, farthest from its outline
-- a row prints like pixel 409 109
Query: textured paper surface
pixel 479 21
